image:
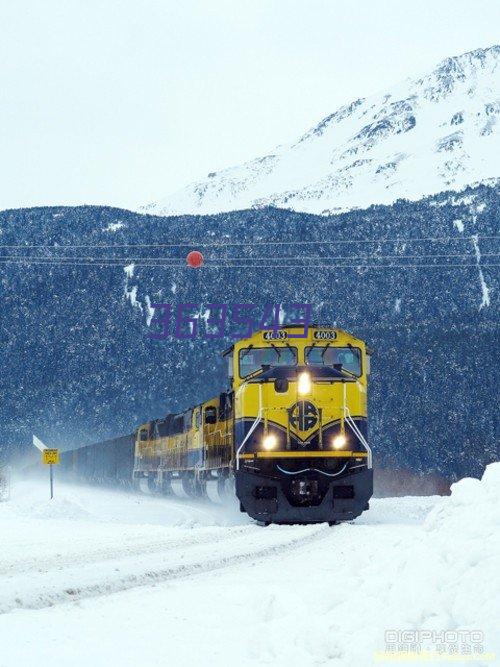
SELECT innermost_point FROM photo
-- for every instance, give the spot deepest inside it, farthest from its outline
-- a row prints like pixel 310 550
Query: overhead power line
pixel 248 258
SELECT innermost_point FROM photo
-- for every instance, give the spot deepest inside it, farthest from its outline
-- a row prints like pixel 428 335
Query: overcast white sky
pixel 123 101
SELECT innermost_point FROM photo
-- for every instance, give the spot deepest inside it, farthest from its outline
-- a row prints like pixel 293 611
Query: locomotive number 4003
pixel 325 335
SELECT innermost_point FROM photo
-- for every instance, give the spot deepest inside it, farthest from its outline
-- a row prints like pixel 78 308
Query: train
pixel 288 436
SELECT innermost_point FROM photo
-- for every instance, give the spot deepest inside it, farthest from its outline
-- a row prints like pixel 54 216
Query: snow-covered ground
pixel 98 577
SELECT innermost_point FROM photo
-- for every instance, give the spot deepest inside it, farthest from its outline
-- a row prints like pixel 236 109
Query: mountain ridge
pixel 424 136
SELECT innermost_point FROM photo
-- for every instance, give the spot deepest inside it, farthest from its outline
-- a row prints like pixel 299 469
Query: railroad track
pixel 38 583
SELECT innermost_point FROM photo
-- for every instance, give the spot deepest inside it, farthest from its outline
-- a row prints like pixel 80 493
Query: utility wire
pixel 70 258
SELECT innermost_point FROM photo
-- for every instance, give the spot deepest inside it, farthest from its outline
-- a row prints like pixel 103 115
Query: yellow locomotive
pixel 290 432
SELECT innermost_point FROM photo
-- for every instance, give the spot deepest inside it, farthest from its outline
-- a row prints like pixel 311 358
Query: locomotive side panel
pixel 195 444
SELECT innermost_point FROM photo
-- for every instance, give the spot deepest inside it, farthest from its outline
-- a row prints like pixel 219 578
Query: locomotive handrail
pixel 358 433
pixel 251 430
pixel 352 424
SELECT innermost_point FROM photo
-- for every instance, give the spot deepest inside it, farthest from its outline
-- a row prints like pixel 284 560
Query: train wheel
pixel 152 484
pixel 166 487
pixel 194 487
pixel 200 488
pixel 188 484
pixel 144 485
pixel 226 485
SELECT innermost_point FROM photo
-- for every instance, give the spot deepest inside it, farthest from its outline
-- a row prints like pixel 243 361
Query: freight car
pixel 108 462
pixel 288 436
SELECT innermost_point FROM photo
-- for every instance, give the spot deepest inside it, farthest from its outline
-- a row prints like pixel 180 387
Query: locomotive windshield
pixel 328 355
pixel 253 358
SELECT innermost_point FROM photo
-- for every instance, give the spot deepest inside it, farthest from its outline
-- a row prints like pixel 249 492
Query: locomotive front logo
pixel 303 416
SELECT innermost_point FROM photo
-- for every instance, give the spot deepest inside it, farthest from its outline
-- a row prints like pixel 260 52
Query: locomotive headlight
pixel 269 441
pixel 339 441
pixel 304 383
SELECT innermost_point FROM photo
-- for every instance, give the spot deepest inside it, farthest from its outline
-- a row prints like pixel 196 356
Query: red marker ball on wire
pixel 194 259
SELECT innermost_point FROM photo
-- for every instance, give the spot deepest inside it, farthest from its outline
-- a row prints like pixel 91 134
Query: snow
pixel 485 291
pixel 129 270
pixel 130 293
pixel 425 136
pixel 150 311
pixel 100 577
pixel 114 226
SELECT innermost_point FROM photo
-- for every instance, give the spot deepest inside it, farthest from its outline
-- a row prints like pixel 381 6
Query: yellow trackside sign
pixel 50 456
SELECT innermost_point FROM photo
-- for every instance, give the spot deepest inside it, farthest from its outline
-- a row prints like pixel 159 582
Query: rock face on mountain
pixel 436 133
pixel 418 280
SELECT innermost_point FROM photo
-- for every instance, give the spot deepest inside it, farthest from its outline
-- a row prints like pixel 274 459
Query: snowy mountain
pixel 436 133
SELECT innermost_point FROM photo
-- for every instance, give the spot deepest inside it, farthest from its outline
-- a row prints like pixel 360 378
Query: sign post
pixel 50 457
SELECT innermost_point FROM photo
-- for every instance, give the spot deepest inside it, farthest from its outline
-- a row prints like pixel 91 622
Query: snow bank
pixel 58 508
pixel 465 529
pixel 472 511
